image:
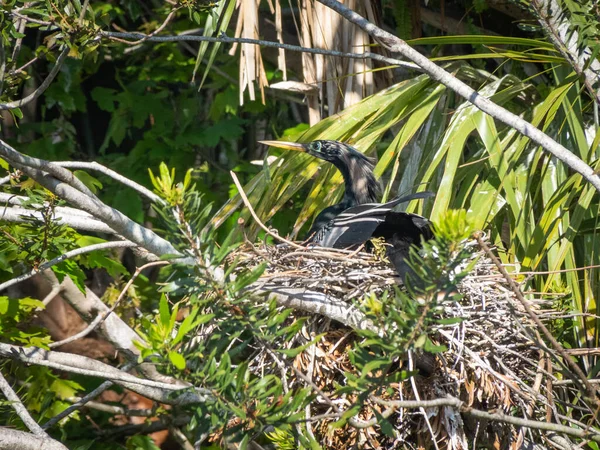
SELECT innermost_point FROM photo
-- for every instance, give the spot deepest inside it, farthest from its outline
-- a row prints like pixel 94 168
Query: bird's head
pixel 332 151
pixel 356 168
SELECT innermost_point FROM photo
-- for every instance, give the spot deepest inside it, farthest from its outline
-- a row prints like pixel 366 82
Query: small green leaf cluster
pixel 229 342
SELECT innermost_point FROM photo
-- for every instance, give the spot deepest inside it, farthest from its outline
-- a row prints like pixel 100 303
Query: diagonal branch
pixel 19 408
pixel 397 45
pixel 565 38
pixel 40 90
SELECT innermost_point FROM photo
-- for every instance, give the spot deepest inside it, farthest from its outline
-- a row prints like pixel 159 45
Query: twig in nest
pixel 263 226
pixel 589 389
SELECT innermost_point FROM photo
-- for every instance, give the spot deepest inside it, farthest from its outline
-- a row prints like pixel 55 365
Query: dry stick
pixel 102 317
pixel 20 409
pixel 395 44
pixel 40 90
pixel 83 400
pixel 159 29
pixel 264 227
pixel 589 389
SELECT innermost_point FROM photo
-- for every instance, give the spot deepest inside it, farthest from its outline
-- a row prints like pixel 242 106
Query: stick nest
pixel 492 360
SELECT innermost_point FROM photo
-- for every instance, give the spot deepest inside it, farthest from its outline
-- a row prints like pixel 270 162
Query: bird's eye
pixel 315 146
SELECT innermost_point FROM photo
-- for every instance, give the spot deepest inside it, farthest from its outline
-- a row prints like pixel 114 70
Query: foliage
pixel 133 108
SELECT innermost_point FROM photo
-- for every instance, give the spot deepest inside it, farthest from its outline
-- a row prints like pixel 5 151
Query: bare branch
pixel 111 173
pixel 19 440
pixel 317 303
pixel 102 317
pixel 65 256
pixel 20 409
pixel 42 87
pixel 69 362
pixel 256 218
pixel 80 402
pixel 230 40
pixel 589 433
pixel 395 44
pixel 21 161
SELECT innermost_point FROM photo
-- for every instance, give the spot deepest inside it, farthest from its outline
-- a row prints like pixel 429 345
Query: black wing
pixel 360 223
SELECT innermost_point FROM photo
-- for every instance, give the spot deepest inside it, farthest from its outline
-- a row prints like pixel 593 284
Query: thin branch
pixel 63 257
pixel 2 66
pixel 146 428
pixel 229 40
pixel 102 316
pixel 589 433
pixel 31 19
pixel 42 87
pixel 258 221
pixel 82 365
pixel 81 402
pixel 17 48
pixel 395 44
pixel 83 10
pixel 159 29
pixel 317 303
pixel 181 438
pixel 590 390
pixel 112 174
pixel 20 409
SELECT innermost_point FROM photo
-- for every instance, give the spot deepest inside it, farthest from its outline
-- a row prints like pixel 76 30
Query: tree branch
pixel 21 161
pixel 589 433
pixel 20 409
pixel 395 44
pixel 78 222
pixel 69 362
pixel 114 175
pixel 102 317
pixel 40 90
pixel 81 402
pixel 230 40
pixel 19 440
pixel 116 220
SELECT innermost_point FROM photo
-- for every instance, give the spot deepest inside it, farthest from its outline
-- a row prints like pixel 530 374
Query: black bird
pixel 358 217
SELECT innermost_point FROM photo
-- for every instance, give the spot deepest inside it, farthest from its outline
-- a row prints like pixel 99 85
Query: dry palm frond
pixel 341 82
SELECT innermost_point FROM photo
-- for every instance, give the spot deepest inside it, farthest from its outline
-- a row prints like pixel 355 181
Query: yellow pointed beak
pixel 287 145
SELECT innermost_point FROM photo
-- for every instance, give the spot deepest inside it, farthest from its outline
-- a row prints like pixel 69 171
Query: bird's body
pixel 358 217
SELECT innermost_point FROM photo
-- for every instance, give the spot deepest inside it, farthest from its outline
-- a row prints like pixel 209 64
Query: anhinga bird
pixel 358 217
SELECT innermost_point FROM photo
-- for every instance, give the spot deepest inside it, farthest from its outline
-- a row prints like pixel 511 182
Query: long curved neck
pixel 360 185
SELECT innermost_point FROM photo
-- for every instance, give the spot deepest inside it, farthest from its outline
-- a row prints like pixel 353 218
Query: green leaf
pixel 90 182
pixel 70 268
pixel 164 314
pixel 177 360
